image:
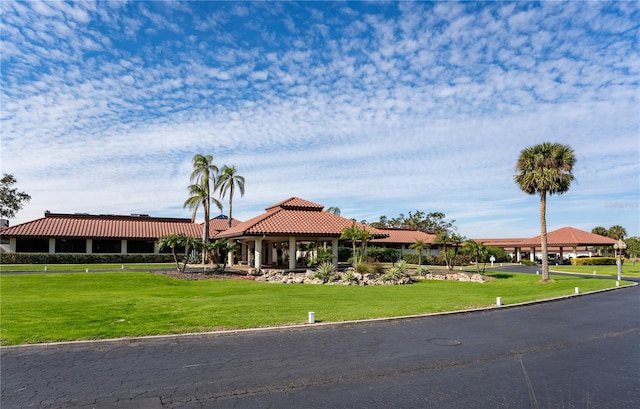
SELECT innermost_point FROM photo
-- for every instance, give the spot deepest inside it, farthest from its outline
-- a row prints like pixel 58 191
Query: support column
pixel 518 255
pixel 123 247
pixel 257 261
pixel 52 246
pixel 334 251
pixel 293 253
pixel 89 246
pixel 532 254
pixel 230 256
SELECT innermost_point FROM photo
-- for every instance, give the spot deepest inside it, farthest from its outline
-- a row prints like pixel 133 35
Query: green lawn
pixel 628 269
pixel 57 307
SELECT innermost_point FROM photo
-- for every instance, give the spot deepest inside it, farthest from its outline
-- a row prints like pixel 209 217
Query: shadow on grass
pixel 501 275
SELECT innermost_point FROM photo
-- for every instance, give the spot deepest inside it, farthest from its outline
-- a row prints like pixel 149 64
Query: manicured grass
pixel 83 267
pixel 628 269
pixel 58 307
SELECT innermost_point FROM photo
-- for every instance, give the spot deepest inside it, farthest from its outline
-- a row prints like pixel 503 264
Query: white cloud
pixel 402 107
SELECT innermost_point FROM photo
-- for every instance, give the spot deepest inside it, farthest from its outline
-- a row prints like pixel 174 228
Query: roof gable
pixel 295 203
pixel 294 217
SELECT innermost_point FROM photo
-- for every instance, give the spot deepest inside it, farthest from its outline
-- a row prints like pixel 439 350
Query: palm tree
pixel 198 195
pixel 418 246
pixel 227 181
pixel 600 231
pixel 355 234
pixel 617 232
pixel 479 251
pixel 202 178
pixel 173 241
pixel 545 169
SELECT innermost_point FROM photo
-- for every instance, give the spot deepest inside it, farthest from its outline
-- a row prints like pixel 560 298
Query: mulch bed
pixel 209 275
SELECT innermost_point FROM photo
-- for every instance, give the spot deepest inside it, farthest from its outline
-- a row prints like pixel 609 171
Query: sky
pixel 379 109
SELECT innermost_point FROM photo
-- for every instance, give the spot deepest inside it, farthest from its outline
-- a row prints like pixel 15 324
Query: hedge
pixel 48 258
pixel 594 261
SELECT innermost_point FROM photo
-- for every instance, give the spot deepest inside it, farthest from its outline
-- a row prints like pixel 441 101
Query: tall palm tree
pixel 545 169
pixel 227 182
pixel 617 232
pixel 202 178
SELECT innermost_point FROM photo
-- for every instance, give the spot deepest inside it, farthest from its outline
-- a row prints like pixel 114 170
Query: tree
pixel 600 231
pixel 479 252
pixel 357 234
pixel 419 246
pixel 227 182
pixel 333 210
pixel 11 201
pixel 202 178
pixel 617 232
pixel 198 195
pixel 433 222
pixel 545 169
pixel 633 246
pixel 450 242
pixel 174 241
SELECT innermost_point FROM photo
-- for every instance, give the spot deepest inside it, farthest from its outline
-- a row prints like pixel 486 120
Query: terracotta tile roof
pixel 504 243
pixel 295 203
pixel 569 237
pixel 219 224
pixel 403 236
pixel 102 226
pixel 293 217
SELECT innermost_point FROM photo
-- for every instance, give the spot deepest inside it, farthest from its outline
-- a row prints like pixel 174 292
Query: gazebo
pixel 272 238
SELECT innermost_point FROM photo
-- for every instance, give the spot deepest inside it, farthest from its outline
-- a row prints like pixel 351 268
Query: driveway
pixel 580 352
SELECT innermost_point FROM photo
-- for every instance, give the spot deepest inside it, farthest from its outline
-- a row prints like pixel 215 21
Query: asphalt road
pixel 581 352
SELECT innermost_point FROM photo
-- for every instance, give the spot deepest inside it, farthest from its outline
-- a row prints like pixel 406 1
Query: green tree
pixel 633 246
pixel 357 234
pixel 418 246
pixel 450 242
pixel 600 231
pixel 174 241
pixel 617 232
pixel 202 178
pixel 545 169
pixel 333 210
pixel 227 182
pixel 479 252
pixel 11 201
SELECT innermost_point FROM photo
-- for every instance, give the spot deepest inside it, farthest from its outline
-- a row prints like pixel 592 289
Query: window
pixel 140 246
pixel 167 250
pixel 107 246
pixel 71 246
pixel 32 245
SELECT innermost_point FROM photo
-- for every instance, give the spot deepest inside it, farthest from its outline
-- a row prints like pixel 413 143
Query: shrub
pixel 528 262
pixel 48 258
pixel 412 258
pixel 368 268
pixel 326 272
pixel 349 276
pixel 594 261
pixel 383 254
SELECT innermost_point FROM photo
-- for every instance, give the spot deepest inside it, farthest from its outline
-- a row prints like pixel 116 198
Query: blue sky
pixel 376 108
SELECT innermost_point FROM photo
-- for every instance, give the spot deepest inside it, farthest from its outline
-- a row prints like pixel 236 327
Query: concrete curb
pixel 296 327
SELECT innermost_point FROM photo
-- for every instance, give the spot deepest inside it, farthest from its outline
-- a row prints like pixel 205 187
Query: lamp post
pixel 619 247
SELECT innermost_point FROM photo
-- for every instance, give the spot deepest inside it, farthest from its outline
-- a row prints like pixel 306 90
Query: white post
pixel 498 300
pixel 577 290
pixel 312 317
